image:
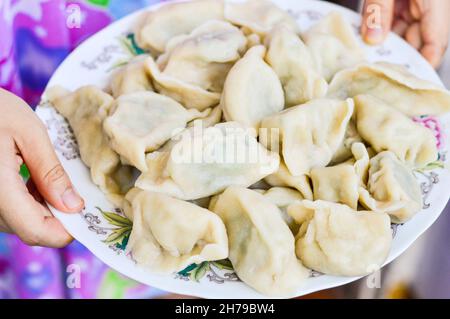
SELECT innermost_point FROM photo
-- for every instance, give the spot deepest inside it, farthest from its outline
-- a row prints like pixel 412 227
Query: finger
pixel 416 8
pixel 433 54
pixel 3 227
pixel 435 30
pixel 413 36
pixel 377 20
pixel 32 189
pixel 46 171
pixel 402 11
pixel 400 26
pixel 21 214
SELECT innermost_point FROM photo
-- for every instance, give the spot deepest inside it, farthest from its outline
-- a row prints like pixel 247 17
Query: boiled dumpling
pixel 164 239
pixel 337 240
pixel 333 44
pixel 204 162
pixel 338 184
pixel 391 188
pixel 252 90
pixel 174 19
pixel 214 117
pixel 361 156
pixel 294 65
pixel 259 16
pixel 341 183
pixel 130 78
pixel 253 40
pixel 204 57
pixel 190 96
pixel 261 246
pixel 282 197
pixel 385 128
pixel 141 122
pixel 344 151
pixel 283 178
pixel 394 85
pixel 308 134
pixel 85 109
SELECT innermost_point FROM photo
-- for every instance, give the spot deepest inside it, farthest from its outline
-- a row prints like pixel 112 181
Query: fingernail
pixel 374 35
pixel 71 199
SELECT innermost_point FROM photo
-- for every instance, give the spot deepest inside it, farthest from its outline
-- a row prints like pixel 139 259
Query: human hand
pixel 23 138
pixel 425 24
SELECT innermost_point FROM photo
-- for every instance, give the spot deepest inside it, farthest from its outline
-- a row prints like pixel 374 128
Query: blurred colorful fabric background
pixel 35 37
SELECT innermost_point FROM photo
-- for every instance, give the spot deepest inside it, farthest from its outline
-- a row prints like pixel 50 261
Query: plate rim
pixel 101 254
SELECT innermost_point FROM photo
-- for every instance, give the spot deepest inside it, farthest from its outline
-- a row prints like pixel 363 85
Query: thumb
pixel 46 171
pixel 377 20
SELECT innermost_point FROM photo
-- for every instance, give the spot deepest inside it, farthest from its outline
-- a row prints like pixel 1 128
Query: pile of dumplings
pixel 326 189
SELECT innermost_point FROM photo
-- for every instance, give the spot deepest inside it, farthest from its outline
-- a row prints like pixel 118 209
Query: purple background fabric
pixel 34 40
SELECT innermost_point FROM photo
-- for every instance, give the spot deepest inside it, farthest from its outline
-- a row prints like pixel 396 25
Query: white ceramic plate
pixel 91 63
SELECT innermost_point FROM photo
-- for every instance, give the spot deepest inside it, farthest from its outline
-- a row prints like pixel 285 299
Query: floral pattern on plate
pixel 105 230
